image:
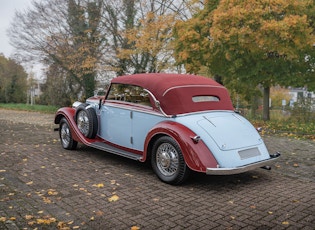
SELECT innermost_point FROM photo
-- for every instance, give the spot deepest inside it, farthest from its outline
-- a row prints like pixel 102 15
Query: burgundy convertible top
pixel 175 91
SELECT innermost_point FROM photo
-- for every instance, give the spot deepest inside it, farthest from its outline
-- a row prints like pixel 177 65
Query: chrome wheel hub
pixel 167 159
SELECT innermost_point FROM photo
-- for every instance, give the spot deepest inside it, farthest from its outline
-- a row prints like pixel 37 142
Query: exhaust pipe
pixel 266 167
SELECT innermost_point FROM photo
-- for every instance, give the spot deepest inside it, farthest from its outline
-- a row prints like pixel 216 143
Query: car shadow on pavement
pixel 128 166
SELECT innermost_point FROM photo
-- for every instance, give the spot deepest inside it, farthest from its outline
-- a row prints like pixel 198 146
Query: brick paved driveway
pixel 43 186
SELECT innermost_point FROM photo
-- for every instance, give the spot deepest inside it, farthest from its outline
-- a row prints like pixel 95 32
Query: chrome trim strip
pixel 132 108
pixel 128 105
pixel 186 86
pixel 230 171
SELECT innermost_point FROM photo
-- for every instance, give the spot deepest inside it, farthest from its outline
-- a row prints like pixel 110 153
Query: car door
pixel 127 116
pixel 115 117
pixel 116 125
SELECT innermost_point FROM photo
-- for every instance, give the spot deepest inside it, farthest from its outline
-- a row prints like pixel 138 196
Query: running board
pixel 108 148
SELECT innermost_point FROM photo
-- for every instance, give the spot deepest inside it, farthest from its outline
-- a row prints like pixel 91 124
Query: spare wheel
pixel 86 120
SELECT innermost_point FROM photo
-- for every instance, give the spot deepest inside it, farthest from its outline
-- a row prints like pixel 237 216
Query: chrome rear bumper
pixel 245 168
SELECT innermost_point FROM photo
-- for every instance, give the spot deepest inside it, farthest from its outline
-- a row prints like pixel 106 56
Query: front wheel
pixel 66 139
pixel 168 162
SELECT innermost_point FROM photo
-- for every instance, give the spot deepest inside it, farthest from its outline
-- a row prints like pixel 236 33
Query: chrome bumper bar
pixel 245 168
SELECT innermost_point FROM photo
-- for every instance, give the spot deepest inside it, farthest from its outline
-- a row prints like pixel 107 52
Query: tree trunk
pixel 266 113
pixel 88 85
pixel 253 106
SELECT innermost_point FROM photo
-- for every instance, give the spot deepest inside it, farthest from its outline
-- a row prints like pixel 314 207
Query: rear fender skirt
pixel 69 114
pixel 196 154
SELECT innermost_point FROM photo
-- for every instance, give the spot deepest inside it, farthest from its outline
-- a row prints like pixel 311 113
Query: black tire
pixel 168 162
pixel 66 139
pixel 86 120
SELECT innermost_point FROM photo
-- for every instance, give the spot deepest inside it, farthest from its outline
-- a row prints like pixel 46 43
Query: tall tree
pixel 139 34
pixel 259 42
pixel 63 33
pixel 13 81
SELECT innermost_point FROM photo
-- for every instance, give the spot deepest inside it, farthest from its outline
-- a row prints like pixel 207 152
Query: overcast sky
pixel 7 9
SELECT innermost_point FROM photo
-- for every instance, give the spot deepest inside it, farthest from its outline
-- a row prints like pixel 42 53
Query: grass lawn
pixel 28 107
pixel 276 126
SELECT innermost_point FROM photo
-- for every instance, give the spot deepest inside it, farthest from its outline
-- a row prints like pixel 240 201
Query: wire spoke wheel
pixel 65 134
pixel 168 162
pixel 167 159
pixel 66 139
pixel 83 122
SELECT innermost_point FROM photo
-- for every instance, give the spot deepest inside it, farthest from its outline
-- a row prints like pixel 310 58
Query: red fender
pixel 197 155
pixel 69 114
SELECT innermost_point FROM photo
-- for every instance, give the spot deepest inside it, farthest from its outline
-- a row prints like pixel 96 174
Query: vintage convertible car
pixel 177 122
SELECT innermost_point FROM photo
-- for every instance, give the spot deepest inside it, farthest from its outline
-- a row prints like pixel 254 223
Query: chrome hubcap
pixel 167 159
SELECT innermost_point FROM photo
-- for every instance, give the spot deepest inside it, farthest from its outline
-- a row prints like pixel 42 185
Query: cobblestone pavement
pixel 43 186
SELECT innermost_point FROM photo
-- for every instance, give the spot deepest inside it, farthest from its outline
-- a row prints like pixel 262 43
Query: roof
pixel 162 81
pixel 175 91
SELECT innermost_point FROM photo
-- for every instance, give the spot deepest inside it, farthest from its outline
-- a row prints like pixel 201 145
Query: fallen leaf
pixel 31 223
pixel 232 217
pixel 47 200
pixel 75 227
pixel 92 218
pixel 3 219
pixel 2 170
pixel 113 198
pixel 62 226
pixel 28 217
pixel 269 212
pixel 253 206
pixel 135 228
pixel 46 221
pixel 295 165
pixel 12 218
pixel 285 223
pixel 29 183
pixel 98 185
pixel 52 192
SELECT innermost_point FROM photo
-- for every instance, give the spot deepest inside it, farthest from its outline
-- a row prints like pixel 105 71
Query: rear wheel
pixel 87 121
pixel 168 162
pixel 66 139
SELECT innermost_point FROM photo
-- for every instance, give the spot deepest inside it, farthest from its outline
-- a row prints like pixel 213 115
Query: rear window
pixel 205 98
